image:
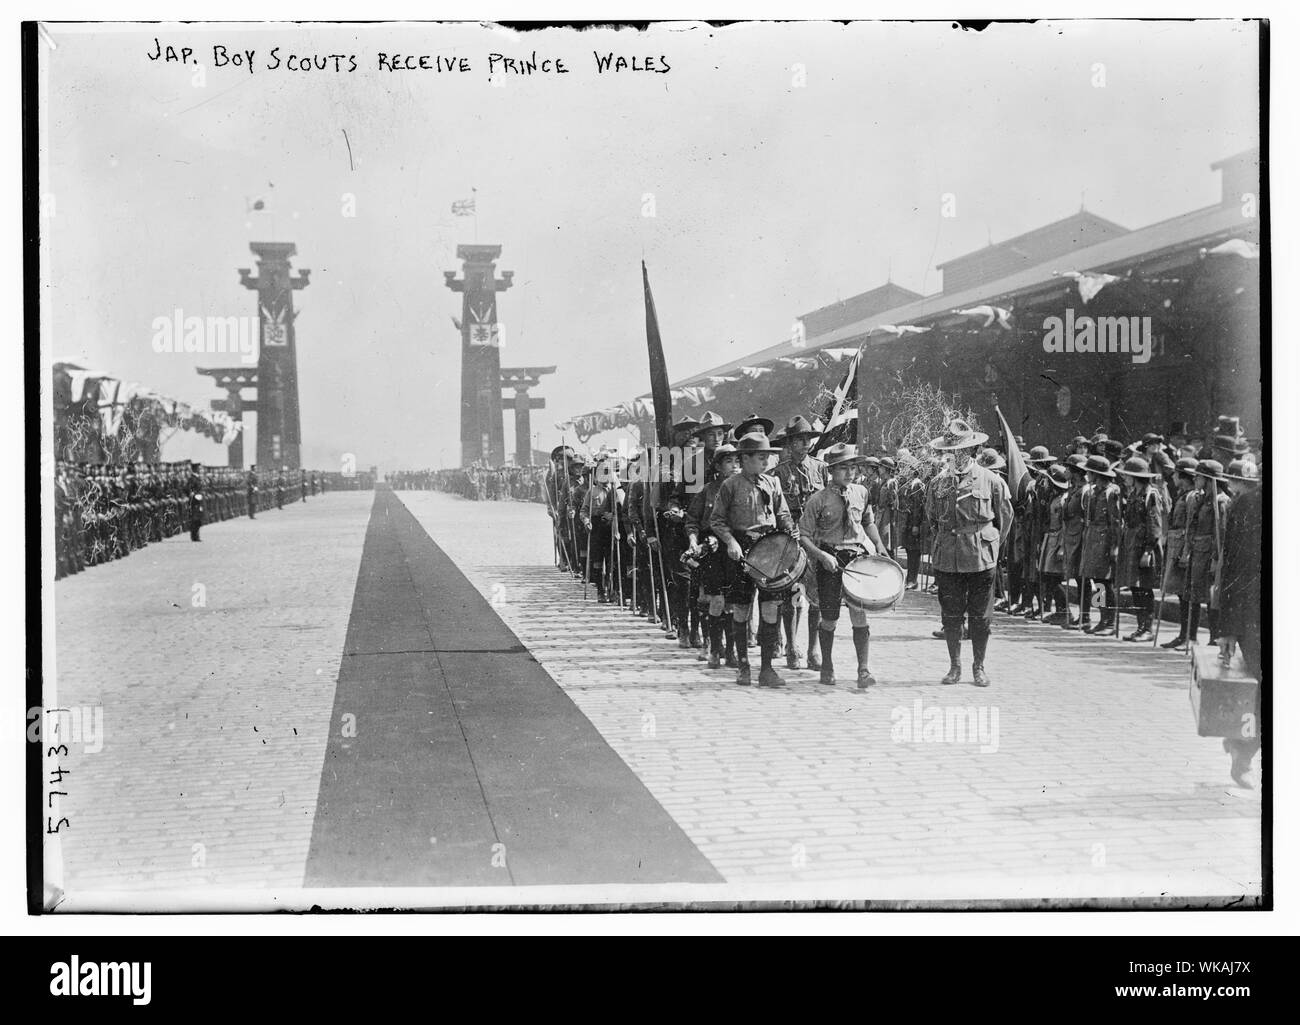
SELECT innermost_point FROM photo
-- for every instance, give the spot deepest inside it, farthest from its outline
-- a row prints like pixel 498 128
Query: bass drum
pixel 874 583
pixel 775 561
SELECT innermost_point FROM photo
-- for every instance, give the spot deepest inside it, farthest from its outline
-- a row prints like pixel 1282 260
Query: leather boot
pixel 826 640
pixel 729 640
pixel 862 643
pixel 1181 639
pixel 954 674
pixel 814 622
pixel 742 655
pixel 715 642
pixel 767 638
pixel 981 677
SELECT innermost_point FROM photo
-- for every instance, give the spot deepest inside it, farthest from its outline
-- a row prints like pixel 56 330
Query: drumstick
pixel 860 572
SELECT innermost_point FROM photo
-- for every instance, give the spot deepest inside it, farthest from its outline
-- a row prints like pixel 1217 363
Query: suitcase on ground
pixel 1225 699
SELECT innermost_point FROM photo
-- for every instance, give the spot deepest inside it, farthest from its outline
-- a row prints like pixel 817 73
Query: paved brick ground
pixel 1094 783
pixel 215 717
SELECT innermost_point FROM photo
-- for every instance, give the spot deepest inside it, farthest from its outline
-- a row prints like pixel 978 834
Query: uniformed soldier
pixel 801 476
pixel 1141 552
pixel 1103 516
pixel 834 527
pixel 704 545
pixel 969 509
pixel 1044 491
pixel 580 471
pixel 1072 535
pixel 1051 559
pixel 1175 571
pixel 1207 511
pixel 711 432
pixel 250 487
pixel 911 501
pixel 195 488
pixel 1240 619
pixel 887 514
pixel 556 488
pixel 747 506
pixel 664 527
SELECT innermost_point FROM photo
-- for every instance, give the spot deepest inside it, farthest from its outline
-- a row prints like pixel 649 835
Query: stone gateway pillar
pixel 482 434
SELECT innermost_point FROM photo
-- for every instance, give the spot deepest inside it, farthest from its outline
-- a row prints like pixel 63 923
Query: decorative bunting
pixel 988 314
pixel 1234 247
pixel 1090 283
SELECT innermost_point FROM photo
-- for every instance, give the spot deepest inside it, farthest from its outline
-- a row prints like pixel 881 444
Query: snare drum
pixel 775 561
pixel 873 583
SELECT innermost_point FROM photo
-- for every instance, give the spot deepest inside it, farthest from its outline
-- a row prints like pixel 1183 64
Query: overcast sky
pixel 789 165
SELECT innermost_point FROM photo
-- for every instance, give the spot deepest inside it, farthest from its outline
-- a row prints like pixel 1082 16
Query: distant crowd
pixel 477 483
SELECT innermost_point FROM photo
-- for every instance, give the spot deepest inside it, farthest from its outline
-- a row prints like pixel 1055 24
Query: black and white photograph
pixel 663 465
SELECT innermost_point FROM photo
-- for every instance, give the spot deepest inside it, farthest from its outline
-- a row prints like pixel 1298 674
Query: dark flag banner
pixel 841 413
pixel 1017 470
pixel 658 368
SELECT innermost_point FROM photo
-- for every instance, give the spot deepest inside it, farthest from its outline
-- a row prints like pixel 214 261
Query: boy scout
pixel 834 528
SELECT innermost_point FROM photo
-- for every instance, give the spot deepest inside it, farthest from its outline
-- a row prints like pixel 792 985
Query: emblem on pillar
pixel 482 434
pixel 279 435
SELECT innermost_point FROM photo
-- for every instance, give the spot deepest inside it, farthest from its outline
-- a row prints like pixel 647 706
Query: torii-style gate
pixel 233 380
pixel 521 379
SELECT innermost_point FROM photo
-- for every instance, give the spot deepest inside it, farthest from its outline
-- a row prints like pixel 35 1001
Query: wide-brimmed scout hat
pixel 1059 475
pixel 888 463
pixel 562 451
pixel 872 461
pixel 755 442
pixel 752 423
pixel 1242 469
pixel 1039 454
pixel 710 421
pixel 958 434
pixel 1186 466
pixel 799 427
pixel 724 450
pixel 1211 468
pixel 1099 465
pixel 1136 466
pixel 1150 439
pixel 990 459
pixel 686 424
pixel 839 454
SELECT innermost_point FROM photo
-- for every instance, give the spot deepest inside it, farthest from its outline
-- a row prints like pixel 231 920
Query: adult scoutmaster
pixel 969 509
